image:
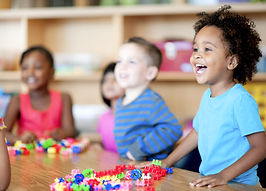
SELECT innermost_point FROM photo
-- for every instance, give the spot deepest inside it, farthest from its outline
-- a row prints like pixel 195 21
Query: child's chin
pixel 200 81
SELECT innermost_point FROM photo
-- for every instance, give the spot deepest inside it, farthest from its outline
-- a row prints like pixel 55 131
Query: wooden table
pixel 38 170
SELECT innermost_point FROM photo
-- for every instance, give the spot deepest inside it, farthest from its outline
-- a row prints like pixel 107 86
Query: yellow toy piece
pixel 2 124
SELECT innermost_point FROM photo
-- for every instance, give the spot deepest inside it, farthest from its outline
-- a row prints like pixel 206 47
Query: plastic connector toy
pixel 90 179
pixel 135 174
pixel 2 124
pixel 169 170
pixel 47 143
pixel 80 147
pixel 157 162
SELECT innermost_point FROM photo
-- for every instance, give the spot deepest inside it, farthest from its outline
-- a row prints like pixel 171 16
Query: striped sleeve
pixel 164 133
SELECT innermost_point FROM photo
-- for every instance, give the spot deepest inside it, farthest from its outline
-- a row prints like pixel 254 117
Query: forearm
pixel 156 142
pixel 189 143
pixel 256 154
pixel 5 164
pixel 69 132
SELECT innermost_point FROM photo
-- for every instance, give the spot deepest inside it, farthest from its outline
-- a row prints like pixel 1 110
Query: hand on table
pixel 149 163
pixel 57 134
pixel 130 156
pixel 143 164
pixel 210 181
pixel 28 137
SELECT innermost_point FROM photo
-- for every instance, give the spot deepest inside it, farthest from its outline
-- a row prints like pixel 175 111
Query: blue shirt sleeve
pixel 164 134
pixel 247 115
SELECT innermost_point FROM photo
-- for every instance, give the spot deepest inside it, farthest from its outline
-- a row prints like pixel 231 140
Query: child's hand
pixel 149 163
pixel 165 164
pixel 210 181
pixel 57 134
pixel 130 156
pixel 143 164
pixel 28 137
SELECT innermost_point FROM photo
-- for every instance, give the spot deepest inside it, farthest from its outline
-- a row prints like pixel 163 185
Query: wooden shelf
pixel 100 31
pixel 102 11
pixel 95 76
pixel 175 76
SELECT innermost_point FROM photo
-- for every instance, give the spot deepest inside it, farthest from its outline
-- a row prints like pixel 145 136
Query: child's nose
pixel 123 66
pixel 31 71
pixel 197 55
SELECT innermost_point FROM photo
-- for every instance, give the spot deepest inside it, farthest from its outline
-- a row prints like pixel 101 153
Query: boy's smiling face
pixel 132 67
pixel 210 60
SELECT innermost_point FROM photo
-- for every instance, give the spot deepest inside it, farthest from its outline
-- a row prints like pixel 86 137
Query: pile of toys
pixel 64 147
pixel 123 177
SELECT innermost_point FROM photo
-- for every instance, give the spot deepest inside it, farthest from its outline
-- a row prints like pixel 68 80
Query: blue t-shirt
pixel 222 123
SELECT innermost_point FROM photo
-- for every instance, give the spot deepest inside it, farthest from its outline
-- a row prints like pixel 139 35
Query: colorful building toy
pixel 121 178
pixel 64 147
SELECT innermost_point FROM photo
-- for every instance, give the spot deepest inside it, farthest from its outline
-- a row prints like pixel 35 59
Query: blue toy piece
pixel 61 179
pixel 135 174
pixel 78 178
pixel 76 149
pixel 169 170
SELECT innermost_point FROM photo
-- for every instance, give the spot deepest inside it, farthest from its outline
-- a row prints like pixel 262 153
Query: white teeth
pixel 200 65
pixel 31 80
pixel 200 68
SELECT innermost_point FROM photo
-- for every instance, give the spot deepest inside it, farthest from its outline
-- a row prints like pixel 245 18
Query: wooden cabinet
pixel 100 31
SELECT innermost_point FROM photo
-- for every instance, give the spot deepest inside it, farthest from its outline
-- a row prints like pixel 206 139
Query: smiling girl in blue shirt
pixel 227 127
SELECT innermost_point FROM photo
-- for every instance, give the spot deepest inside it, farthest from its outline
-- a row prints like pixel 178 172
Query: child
pixel 145 129
pixel 227 126
pixel 110 92
pixel 5 164
pixel 41 112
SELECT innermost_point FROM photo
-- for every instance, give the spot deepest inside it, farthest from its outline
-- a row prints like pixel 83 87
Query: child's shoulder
pixel 239 91
pixel 238 95
pixel 66 97
pixel 150 94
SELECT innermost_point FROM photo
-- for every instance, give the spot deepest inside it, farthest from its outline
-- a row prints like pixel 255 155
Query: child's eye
pixel 207 49
pixel 195 50
pixel 24 67
pixel 38 67
pixel 132 62
pixel 118 62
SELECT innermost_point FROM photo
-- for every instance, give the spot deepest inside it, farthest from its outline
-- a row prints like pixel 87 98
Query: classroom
pixel 88 45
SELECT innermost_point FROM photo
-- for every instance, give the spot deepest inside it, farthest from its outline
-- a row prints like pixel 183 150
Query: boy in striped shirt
pixel 145 129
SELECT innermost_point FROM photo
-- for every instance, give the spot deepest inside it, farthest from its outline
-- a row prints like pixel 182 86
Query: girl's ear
pixel 152 72
pixel 233 63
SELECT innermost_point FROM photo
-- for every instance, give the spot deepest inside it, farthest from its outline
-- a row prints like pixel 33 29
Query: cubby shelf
pixel 95 76
pixel 99 30
pixel 103 11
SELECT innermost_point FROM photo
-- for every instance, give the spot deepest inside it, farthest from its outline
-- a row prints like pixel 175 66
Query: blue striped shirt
pixel 145 127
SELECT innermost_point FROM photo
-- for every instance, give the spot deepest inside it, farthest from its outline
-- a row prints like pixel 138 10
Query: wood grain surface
pixel 38 170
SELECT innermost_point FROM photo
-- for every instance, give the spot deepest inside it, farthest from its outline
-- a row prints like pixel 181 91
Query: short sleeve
pixel 247 115
pixel 195 122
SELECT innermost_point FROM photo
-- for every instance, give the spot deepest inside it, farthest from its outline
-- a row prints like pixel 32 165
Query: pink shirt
pixel 40 122
pixel 105 128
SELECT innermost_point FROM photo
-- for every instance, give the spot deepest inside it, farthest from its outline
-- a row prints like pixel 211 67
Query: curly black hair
pixel 40 49
pixel 241 37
